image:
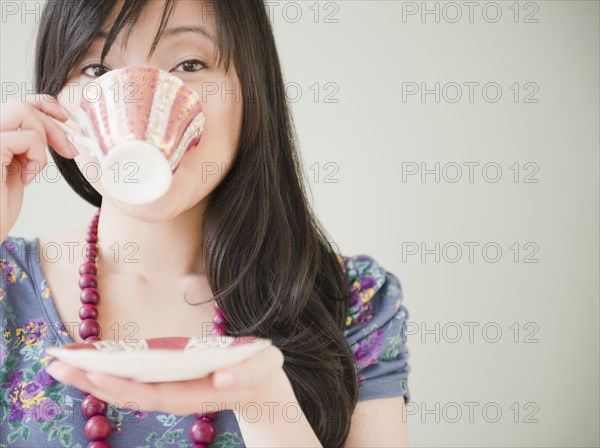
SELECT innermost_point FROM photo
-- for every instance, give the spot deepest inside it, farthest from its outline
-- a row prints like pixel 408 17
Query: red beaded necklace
pixel 97 428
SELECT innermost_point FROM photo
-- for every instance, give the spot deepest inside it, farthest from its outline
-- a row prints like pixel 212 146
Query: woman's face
pixel 188 54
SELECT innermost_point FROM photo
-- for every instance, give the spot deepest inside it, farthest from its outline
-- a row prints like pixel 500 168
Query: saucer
pixel 162 359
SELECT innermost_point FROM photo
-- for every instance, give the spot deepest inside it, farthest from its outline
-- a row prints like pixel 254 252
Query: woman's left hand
pixel 258 378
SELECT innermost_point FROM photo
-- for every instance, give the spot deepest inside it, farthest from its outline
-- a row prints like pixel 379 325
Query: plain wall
pixel 504 345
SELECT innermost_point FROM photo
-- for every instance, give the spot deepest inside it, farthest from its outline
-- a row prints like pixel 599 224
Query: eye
pixel 94 70
pixel 189 66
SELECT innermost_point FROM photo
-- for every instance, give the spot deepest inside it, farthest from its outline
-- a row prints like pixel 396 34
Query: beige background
pixel 527 372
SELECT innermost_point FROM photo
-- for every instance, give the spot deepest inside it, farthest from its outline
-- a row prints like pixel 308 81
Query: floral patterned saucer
pixel 153 360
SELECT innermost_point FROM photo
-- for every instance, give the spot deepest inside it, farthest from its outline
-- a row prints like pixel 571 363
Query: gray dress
pixel 38 411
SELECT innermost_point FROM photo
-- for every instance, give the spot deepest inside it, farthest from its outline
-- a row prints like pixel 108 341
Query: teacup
pixel 138 121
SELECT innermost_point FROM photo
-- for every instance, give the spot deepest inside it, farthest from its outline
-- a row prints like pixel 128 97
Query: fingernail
pixel 73 149
pixel 94 378
pixel 51 369
pixel 225 380
pixel 68 130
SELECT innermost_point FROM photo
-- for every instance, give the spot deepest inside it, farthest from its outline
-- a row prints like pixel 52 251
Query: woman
pixel 243 233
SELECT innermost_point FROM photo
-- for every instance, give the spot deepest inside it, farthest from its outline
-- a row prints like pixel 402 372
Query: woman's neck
pixel 171 248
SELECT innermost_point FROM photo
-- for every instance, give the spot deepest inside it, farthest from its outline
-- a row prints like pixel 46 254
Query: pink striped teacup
pixel 138 121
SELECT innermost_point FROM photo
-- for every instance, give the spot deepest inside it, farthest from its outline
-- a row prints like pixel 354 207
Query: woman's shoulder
pixel 17 254
pixel 21 279
pixel 20 255
pixel 376 327
pixel 375 292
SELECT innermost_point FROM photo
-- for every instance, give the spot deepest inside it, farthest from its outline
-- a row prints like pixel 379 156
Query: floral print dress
pixel 38 411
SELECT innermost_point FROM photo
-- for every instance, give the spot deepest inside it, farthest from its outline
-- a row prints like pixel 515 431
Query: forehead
pixel 183 15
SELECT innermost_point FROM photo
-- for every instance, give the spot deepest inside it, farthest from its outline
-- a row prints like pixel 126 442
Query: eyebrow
pixel 171 32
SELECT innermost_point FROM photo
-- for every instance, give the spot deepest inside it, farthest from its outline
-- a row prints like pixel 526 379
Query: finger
pixel 77 378
pixel 27 116
pixel 57 137
pixel 117 390
pixel 143 394
pixel 174 396
pixel 53 108
pixel 27 149
pixel 48 104
pixel 68 374
pixel 253 372
pixel 185 396
pixel 42 103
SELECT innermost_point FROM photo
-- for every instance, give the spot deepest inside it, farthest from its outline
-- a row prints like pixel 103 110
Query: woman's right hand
pixel 25 130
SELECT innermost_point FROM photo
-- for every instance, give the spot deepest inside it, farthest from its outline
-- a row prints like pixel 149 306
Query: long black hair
pixel 268 260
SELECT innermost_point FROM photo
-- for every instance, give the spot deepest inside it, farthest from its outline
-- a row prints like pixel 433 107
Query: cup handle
pixel 89 143
pixel 80 119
